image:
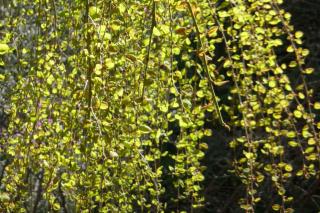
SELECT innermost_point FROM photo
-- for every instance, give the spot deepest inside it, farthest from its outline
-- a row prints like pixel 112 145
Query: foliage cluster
pixel 112 103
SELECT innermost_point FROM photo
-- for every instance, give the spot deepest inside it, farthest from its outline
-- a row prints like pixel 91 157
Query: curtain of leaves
pixel 109 108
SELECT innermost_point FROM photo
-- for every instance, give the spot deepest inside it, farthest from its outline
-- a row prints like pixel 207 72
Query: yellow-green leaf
pixel 276 207
pixel 297 114
pixel 109 63
pixel 212 32
pixel 317 105
pixel 156 32
pixel 298 34
pixel 293 143
pixel 288 168
pixel 4 48
pixel 2 77
pixel 103 106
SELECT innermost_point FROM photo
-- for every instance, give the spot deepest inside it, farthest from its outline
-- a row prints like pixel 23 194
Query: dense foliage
pixel 114 100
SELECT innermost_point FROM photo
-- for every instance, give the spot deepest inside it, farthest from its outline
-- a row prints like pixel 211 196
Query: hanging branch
pixel 205 64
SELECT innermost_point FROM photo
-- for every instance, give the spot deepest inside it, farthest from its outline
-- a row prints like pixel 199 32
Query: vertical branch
pixel 62 198
pixel 153 24
pixel 205 66
pixel 88 73
pixel 38 187
pixel 90 68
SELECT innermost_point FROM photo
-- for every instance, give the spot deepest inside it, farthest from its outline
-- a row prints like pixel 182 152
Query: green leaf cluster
pixel 105 81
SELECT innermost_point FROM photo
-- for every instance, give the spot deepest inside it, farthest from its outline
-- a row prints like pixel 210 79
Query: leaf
pixel 272 83
pixel 246 207
pixel 317 105
pixel 203 146
pixel 200 94
pixel 56 206
pixel 309 149
pixel 97 69
pixel 290 49
pixel 164 107
pixel 249 155
pixel 120 92
pixel 109 63
pixel 181 6
pixel 2 77
pixel 186 103
pixel 212 32
pixel 50 79
pixel 122 8
pixel 293 143
pixel 306 133
pixel 131 57
pixel 288 168
pixel 183 122
pixel 176 50
pixel 220 83
pixel 149 158
pixel 156 32
pixel 223 14
pixel 158 135
pixel 227 64
pixel 298 34
pixel 145 129
pixel 115 27
pixel 311 141
pixel 165 29
pixel 113 154
pixel 297 114
pixel 4 196
pixel 291 134
pixel 308 71
pixel 301 95
pixel 103 106
pixel 94 12
pixel 4 48
pixel 181 31
pixel 207 132
pixel 276 207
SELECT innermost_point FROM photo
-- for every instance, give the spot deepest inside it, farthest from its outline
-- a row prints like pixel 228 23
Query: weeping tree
pixel 113 99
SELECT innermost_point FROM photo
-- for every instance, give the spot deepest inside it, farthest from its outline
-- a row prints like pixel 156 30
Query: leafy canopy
pixel 109 85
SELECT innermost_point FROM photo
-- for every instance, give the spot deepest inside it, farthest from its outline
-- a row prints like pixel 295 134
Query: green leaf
pixel 276 207
pixel 2 77
pixel 272 83
pixel 156 32
pixel 4 197
pixel 4 48
pixel 290 49
pixel 103 106
pixel 200 94
pixel 293 143
pixel 212 32
pixel 317 105
pixel 298 34
pixel 50 79
pixel 311 141
pixel 94 12
pixel 109 63
pixel 297 113
pixel 122 8
pixel 145 129
pixel 288 168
